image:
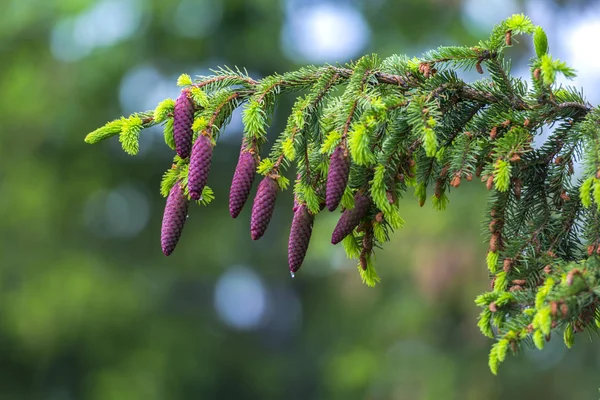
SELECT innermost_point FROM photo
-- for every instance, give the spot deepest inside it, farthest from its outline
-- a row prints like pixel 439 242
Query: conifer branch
pixel 404 125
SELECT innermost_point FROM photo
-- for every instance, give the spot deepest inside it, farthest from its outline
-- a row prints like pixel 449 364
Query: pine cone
pixel 351 218
pixel 302 225
pixel 199 166
pixel 262 209
pixel 337 179
pixel 241 182
pixel 173 218
pixel 183 118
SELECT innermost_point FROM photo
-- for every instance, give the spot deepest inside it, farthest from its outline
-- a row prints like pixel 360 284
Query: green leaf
pixel 283 182
pixel 484 323
pixel 585 192
pixel 130 134
pixel 289 151
pixel 492 261
pixel 421 193
pixel 430 142
pixel 538 339
pixel 184 80
pixel 351 246
pixel 200 123
pixel 569 336
pixel 369 276
pixel 540 41
pixel 379 232
pixel 168 133
pixel 169 179
pixel 110 129
pixel 502 175
pixel 543 292
pixel 163 109
pixel 493 361
pixel 550 68
pixel 330 142
pixel 519 24
pixel 440 203
pixel 265 166
pixel 359 144
pixel 348 199
pixel 500 283
pixel 596 193
pixel 207 196
pixel 199 97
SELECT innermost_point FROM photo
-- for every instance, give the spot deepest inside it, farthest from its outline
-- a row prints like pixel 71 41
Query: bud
pixel 337 178
pixel 174 218
pixel 199 166
pixel 455 182
pixel 241 184
pixel 515 288
pixel 302 225
pixel 548 269
pixel 494 132
pixel 262 209
pixel 495 242
pixel 469 177
pixel 183 118
pixel 490 182
pixel 508 38
pixel 564 310
pixel 367 247
pixel 537 74
pixel 479 170
pixel 517 188
pixel 493 307
pixel 564 196
pixel 351 218
pixel 553 308
pixel 520 282
pixel 507 265
pixel 478 68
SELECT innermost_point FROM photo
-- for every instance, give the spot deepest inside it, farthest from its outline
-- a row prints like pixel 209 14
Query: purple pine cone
pixel 183 118
pixel 302 225
pixel 173 219
pixel 242 182
pixel 262 209
pixel 337 179
pixel 351 218
pixel 199 166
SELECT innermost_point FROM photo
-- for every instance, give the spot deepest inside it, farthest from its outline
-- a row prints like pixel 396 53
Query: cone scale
pixel 183 118
pixel 199 166
pixel 337 178
pixel 300 233
pixel 241 183
pixel 351 218
pixel 174 218
pixel 262 209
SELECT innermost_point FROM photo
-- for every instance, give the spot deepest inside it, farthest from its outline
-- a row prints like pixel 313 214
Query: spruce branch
pixel 363 135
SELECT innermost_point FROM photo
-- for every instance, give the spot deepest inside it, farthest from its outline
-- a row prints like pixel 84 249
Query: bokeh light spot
pixel 321 33
pixel 240 298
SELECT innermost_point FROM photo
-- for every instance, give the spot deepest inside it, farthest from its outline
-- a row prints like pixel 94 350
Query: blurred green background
pixel 91 309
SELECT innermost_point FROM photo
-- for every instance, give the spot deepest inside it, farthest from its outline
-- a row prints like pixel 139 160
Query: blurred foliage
pixel 92 315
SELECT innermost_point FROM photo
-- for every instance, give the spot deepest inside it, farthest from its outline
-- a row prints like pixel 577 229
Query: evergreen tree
pixel 363 135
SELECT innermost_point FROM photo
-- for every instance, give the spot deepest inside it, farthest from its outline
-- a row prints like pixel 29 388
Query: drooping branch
pixel 360 136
